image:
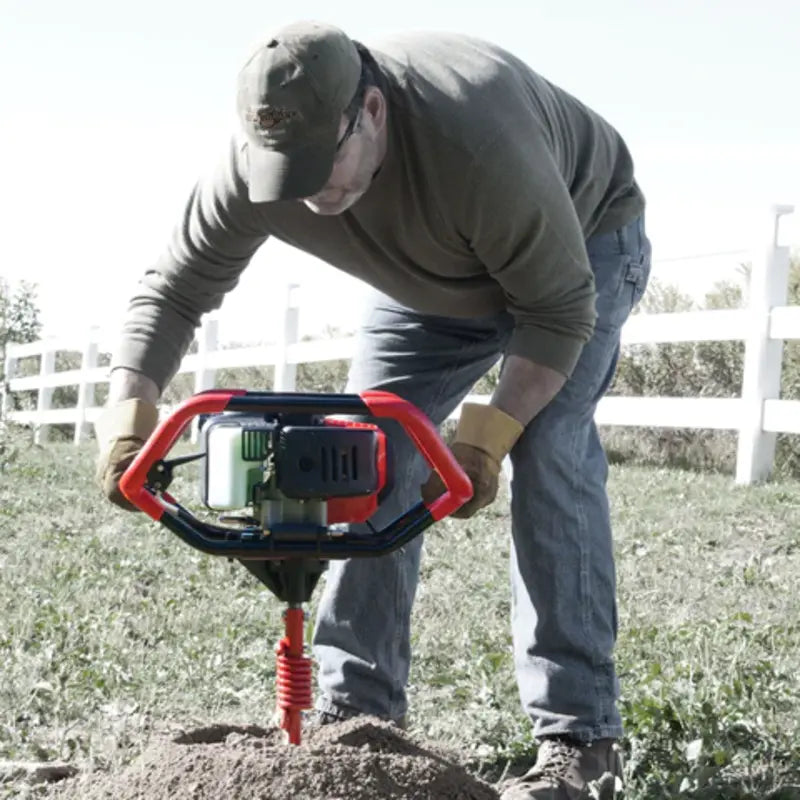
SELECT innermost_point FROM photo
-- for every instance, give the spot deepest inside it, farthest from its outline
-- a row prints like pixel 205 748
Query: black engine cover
pixel 321 462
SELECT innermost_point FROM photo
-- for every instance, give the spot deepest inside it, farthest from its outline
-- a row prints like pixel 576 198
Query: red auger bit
pixel 293 480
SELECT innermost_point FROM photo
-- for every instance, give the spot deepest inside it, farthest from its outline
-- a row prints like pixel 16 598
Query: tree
pixel 19 316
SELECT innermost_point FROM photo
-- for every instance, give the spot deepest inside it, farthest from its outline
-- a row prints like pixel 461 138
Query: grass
pixel 111 629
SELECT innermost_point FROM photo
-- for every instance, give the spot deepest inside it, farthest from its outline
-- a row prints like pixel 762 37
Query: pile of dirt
pixel 360 759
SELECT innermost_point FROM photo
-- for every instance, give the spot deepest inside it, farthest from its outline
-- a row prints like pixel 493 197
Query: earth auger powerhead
pixel 295 479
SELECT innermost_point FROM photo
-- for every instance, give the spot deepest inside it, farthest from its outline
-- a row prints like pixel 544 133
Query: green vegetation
pixel 112 629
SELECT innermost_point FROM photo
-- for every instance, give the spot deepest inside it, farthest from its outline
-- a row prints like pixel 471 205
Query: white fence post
pixel 45 396
pixel 86 397
pixel 285 374
pixel 207 343
pixel 204 377
pixel 761 380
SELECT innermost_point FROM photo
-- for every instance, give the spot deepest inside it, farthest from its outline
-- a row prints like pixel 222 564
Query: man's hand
pixel 484 438
pixel 121 432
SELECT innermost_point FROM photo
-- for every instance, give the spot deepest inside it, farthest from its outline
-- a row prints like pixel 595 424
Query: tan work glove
pixel 484 437
pixel 121 432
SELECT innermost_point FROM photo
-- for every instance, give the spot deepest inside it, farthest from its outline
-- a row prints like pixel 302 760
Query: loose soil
pixel 359 759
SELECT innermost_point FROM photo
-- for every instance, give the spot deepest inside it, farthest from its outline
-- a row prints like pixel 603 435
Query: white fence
pixel 757 415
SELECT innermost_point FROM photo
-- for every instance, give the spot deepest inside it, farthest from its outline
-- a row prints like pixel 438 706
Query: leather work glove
pixel 121 432
pixel 484 437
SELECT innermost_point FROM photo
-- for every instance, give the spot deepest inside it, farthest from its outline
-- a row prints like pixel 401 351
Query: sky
pixel 110 111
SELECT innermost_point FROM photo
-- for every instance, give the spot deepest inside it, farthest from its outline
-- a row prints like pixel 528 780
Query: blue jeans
pixel 563 586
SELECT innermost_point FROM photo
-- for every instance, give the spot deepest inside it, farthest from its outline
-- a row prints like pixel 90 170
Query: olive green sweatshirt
pixel 492 181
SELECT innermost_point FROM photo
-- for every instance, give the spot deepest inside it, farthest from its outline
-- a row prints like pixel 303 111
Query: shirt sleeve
pixel 212 243
pixel 522 225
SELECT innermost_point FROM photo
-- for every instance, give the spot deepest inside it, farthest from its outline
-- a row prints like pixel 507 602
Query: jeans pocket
pixel 620 284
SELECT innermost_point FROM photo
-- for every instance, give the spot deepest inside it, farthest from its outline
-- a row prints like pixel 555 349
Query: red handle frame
pixel 133 481
pixel 379 404
pixel 458 487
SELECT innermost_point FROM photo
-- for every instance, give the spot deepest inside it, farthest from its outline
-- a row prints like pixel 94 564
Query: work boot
pixel 568 770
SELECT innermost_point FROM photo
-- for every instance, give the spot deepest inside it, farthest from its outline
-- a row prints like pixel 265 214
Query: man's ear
pixel 375 106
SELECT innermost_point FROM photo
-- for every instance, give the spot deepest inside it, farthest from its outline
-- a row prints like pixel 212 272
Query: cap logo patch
pixel 268 117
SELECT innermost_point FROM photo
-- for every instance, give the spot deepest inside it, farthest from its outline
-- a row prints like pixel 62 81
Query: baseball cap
pixel 291 95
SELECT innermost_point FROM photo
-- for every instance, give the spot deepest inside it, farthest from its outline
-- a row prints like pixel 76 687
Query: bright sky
pixel 110 110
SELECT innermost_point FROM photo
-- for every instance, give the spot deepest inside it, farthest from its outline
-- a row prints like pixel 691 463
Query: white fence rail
pixel 757 415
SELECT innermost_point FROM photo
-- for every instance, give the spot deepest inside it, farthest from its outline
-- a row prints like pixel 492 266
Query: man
pixel 496 216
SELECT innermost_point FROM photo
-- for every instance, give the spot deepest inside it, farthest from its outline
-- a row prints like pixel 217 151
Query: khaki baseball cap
pixel 291 95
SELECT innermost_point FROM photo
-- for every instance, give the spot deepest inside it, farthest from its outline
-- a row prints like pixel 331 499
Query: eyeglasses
pixel 348 131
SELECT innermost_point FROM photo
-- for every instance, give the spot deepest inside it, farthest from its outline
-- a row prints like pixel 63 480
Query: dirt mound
pixel 361 759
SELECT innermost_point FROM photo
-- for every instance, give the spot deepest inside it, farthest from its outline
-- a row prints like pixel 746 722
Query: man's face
pixel 357 160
